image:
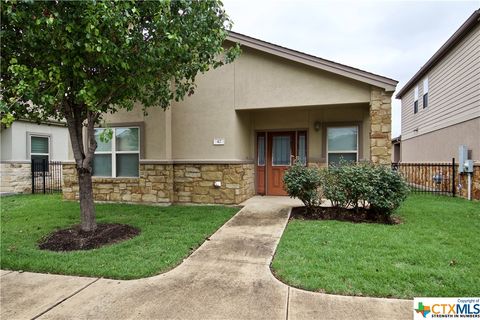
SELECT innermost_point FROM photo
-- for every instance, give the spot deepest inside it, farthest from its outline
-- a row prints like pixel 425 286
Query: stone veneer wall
pixel 15 177
pixel 193 183
pixel 171 183
pixel 380 126
pixel 154 185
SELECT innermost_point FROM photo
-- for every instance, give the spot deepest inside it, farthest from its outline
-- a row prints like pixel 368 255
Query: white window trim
pixel 30 135
pixel 425 85
pixel 343 151
pixel 415 94
pixel 113 151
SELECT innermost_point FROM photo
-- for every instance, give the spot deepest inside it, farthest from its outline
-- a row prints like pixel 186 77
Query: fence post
pixel 453 177
pixel 32 167
pixel 44 169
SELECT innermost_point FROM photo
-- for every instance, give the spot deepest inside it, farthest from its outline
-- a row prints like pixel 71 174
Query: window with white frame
pixel 342 143
pixel 415 100
pixel 425 93
pixel 120 156
pixel 39 148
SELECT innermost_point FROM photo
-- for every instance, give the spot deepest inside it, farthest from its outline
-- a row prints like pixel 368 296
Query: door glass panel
pixel 281 150
pixel 342 139
pixel 261 150
pixel 302 150
pixel 334 158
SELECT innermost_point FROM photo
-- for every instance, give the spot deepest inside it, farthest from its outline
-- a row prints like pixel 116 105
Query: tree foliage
pixel 77 60
pixel 105 55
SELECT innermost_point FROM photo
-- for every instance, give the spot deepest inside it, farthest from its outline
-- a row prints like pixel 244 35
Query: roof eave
pixel 316 62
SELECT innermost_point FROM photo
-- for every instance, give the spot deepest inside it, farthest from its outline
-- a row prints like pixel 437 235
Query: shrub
pixel 303 183
pixel 376 187
pixel 388 190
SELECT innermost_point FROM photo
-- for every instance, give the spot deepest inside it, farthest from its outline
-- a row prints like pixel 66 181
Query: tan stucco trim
pixel 18 161
pixel 213 161
pixel 316 62
pixel 194 161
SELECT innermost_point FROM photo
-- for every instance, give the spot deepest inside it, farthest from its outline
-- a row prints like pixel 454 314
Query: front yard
pixel 434 252
pixel 168 235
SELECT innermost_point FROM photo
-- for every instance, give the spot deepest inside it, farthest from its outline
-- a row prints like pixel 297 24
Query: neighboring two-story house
pixel 441 103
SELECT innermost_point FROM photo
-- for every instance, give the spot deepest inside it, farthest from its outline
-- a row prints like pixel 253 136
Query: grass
pixel 434 252
pixel 168 235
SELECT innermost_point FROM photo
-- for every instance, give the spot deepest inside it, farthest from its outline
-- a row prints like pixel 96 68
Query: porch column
pixel 380 126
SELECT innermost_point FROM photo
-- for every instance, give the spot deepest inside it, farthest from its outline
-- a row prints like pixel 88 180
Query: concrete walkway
pixel 228 277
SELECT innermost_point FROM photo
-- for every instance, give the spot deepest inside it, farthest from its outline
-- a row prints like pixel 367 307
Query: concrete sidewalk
pixel 228 277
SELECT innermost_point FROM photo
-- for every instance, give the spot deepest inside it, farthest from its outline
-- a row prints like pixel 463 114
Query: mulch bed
pixel 76 239
pixel 342 214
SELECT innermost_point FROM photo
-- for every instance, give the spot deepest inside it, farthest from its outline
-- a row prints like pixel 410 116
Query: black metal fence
pixel 436 178
pixel 46 176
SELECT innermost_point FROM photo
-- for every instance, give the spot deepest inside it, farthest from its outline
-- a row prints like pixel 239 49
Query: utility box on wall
pixel 462 158
pixel 468 166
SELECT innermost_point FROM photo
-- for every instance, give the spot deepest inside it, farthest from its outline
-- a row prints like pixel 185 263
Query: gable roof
pixel 464 29
pixel 313 61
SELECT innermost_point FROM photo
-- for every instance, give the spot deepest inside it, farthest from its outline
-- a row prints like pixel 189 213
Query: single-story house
pixel 24 141
pixel 241 130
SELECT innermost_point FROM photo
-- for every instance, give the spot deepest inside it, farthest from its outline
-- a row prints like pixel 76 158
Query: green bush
pixel 346 185
pixel 303 183
pixel 371 186
pixel 388 190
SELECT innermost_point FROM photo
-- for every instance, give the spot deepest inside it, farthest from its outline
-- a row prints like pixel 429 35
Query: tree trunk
pixel 87 206
pixel 76 115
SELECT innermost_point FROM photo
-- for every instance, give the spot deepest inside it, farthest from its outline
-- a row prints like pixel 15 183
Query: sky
pixel 390 38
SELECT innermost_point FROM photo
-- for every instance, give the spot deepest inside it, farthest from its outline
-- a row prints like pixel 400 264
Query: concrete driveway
pixel 228 277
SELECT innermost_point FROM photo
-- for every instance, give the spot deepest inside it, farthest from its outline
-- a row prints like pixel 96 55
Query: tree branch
pixel 92 118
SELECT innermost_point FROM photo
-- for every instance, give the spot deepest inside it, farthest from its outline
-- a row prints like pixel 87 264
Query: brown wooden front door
pixel 280 153
pixel 276 152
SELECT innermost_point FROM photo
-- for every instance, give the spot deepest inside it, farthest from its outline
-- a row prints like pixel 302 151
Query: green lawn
pixel 434 252
pixel 168 234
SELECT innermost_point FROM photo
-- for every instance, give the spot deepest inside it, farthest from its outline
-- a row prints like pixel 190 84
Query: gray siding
pixel 454 91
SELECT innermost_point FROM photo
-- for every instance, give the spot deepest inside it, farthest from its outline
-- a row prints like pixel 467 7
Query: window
pixel 118 157
pixel 415 100
pixel 281 150
pixel 261 150
pixel 425 93
pixel 342 143
pixel 302 148
pixel 39 149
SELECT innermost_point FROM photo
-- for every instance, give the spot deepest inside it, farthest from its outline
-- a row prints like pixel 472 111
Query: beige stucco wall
pixel 15 145
pixel 209 114
pixel 256 92
pixel 157 126
pixel 305 118
pixel 442 145
pixel 262 80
